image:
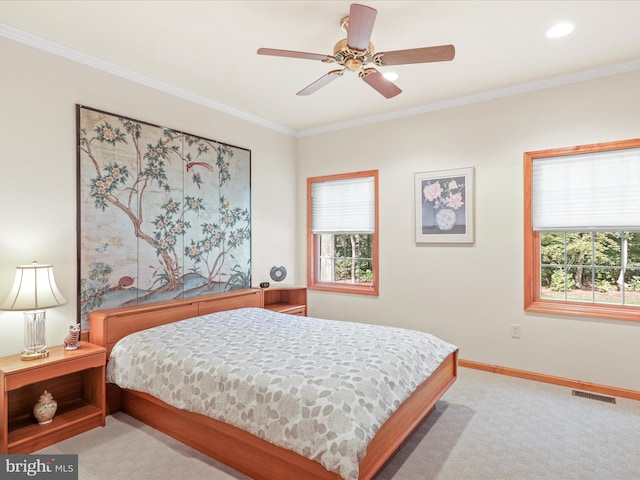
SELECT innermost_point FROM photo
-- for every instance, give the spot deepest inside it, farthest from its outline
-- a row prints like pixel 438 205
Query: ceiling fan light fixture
pixel 391 76
pixel 560 30
pixel 353 64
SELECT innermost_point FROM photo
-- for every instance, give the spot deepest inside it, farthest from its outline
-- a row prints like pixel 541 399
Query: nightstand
pixel 75 378
pixel 291 300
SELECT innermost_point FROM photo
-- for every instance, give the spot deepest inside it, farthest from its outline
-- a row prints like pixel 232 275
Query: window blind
pixel 597 191
pixel 343 206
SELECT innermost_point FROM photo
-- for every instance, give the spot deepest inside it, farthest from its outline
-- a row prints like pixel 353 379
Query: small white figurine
pixel 73 338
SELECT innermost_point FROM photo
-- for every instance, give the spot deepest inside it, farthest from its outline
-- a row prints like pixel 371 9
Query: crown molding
pixel 480 97
pixel 54 48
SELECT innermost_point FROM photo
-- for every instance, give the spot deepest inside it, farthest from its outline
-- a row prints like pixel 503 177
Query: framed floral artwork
pixel 444 206
pixel 162 214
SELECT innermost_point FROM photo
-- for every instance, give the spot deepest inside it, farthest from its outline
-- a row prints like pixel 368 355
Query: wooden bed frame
pixel 230 445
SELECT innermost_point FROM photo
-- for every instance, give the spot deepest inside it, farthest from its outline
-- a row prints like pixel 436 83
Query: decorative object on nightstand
pixel 34 289
pixel 278 274
pixel 72 340
pixel 45 409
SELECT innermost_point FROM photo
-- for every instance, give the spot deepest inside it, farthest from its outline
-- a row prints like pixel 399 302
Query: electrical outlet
pixel 515 330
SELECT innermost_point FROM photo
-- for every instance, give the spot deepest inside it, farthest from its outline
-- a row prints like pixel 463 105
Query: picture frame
pixel 161 214
pixel 444 210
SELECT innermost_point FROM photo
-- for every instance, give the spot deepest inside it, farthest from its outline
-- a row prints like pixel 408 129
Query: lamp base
pixel 34 355
pixel 34 344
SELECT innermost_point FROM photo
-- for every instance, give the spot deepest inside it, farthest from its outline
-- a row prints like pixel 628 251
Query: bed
pixel 240 437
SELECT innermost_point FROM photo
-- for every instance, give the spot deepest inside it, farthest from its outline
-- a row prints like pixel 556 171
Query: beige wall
pixel 470 295
pixel 38 170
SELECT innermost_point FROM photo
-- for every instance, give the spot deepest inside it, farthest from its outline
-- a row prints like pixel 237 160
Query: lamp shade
pixel 34 288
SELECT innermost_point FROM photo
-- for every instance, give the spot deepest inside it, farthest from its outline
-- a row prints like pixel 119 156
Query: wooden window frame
pixel 313 247
pixel 532 300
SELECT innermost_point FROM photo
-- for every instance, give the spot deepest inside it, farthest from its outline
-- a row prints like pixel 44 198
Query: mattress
pixel 321 388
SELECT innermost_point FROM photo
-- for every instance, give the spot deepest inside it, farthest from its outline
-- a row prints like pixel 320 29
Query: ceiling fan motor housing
pixel 350 58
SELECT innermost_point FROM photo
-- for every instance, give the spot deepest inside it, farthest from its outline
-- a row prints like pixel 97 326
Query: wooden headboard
pixel 109 326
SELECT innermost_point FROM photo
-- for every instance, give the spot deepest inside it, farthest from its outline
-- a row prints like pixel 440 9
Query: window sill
pixel 345 288
pixel 582 309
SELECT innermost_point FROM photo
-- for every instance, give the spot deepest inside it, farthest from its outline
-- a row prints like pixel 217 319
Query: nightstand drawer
pixel 300 310
pixel 47 370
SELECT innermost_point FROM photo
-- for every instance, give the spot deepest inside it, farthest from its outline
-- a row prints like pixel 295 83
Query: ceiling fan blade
pixel 321 82
pixel 384 87
pixel 441 53
pixel 293 54
pixel 361 20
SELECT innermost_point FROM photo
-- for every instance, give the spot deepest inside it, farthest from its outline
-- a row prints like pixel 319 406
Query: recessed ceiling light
pixel 391 76
pixel 560 30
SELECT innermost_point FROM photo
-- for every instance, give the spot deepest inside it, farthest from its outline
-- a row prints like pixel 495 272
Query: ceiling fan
pixel 356 51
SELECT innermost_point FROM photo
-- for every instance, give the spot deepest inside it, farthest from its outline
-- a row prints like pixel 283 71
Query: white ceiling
pixel 206 50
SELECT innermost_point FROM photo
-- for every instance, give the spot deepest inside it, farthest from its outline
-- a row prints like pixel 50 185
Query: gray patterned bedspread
pixel 321 388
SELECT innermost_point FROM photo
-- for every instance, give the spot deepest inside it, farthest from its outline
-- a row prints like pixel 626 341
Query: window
pixel 342 233
pixel 582 230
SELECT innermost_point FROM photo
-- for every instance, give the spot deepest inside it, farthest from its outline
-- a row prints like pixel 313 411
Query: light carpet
pixel 486 427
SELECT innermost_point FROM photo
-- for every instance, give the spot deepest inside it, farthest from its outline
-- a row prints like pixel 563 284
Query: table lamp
pixel 34 289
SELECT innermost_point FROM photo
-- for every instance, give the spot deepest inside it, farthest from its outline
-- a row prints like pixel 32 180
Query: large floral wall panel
pixel 161 214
